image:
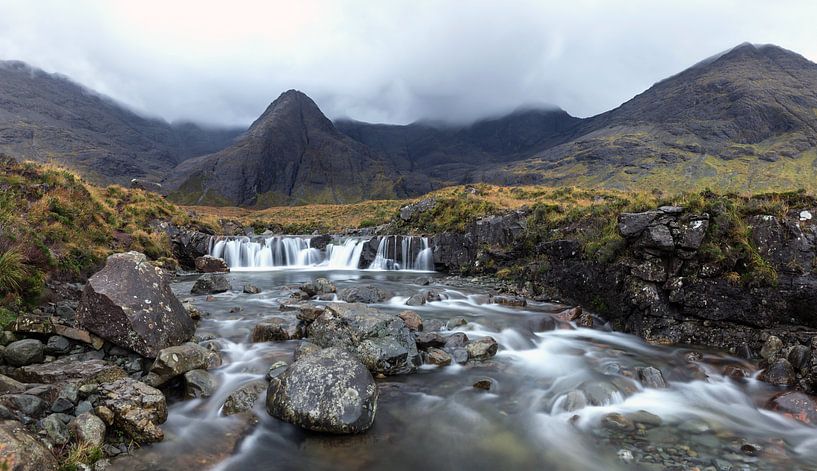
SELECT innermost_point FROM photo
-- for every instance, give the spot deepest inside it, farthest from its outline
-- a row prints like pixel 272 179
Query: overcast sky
pixel 386 61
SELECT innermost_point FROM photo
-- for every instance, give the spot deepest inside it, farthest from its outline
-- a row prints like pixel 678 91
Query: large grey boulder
pixel 326 391
pixel 130 304
pixel 381 340
pixel 24 352
pixel 21 450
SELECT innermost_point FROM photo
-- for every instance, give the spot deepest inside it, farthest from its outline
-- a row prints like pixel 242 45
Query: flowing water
pixel 532 418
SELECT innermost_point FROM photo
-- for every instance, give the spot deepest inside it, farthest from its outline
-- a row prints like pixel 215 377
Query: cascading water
pixel 258 253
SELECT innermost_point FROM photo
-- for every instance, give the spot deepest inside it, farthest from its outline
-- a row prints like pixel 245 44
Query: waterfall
pixel 414 254
pixel 259 253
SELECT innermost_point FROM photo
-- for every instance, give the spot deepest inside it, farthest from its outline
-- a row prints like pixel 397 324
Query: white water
pixel 260 253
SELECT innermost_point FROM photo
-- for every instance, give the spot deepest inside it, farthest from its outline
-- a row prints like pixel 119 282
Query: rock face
pixel 130 304
pixel 327 391
pixel 382 341
pixel 20 450
pixel 210 264
pixel 138 409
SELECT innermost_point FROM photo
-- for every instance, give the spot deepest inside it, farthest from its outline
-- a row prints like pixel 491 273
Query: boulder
pixel 250 289
pixel 211 283
pixel 56 429
pixel 429 339
pixel 318 287
pixel 199 384
pixel 57 345
pixel 796 405
pixel 276 329
pixel 27 405
pixel 20 450
pixel 779 373
pixel 71 369
pixel 176 361
pixel 481 349
pixel 413 320
pixel 130 304
pixel 138 409
pixel 210 264
pixel 327 391
pixel 243 399
pixel 24 352
pixel 367 294
pixel 382 341
pixel 88 429
pixel 651 377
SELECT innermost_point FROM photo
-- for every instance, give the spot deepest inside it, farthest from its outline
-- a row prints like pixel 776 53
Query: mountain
pixel 48 118
pixel 451 154
pixel 745 120
pixel 291 154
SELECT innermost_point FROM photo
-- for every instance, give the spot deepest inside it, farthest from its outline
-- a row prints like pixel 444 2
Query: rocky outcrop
pixel 326 391
pixel 189 245
pixel 456 252
pixel 130 303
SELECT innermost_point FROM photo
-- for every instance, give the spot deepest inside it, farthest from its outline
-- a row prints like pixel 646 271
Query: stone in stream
pixel 779 373
pixel 616 421
pixel 455 322
pixel 24 352
pixel 797 405
pixel 138 409
pixel 456 340
pixel 328 391
pixel 176 361
pixel 486 384
pixel 210 264
pixel 20 450
pixel 481 349
pixel 381 340
pixel 367 294
pixel 276 329
pixel 88 429
pixel 211 283
pixel 515 301
pixel 437 357
pixel 413 320
pixel 243 399
pixel 651 377
pixel 425 340
pixel 199 384
pixel 318 287
pixel 250 289
pixel 129 303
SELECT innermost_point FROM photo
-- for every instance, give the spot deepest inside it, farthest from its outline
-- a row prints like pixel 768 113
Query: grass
pixel 80 454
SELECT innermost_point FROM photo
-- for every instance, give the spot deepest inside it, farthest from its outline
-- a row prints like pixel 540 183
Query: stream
pixel 546 409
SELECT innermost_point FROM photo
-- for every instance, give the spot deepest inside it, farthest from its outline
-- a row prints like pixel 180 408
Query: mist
pixel 390 62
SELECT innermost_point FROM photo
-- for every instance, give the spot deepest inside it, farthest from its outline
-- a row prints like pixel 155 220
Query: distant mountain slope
pixel 453 153
pixel 745 120
pixel 291 154
pixel 47 117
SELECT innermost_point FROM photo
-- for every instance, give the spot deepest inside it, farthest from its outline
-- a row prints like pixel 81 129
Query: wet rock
pixel 735 372
pixel 437 357
pixel 796 405
pixel 211 283
pixel 276 369
pixel 88 429
pixel 367 294
pixel 250 289
pixel 56 429
pixel 574 400
pixel 24 352
pixel 276 329
pixel 455 322
pixel 779 373
pixel 309 312
pixel 544 323
pixel 57 345
pixel 651 377
pixel 416 300
pixel 138 409
pixel 329 391
pixel 569 315
pixel 26 405
pixel 318 287
pixel 20 450
pixel 413 320
pixel 305 348
pixel 485 384
pixel 645 418
pixel 633 224
pixel 456 340
pixel 243 399
pixel 10 385
pixel 799 356
pixel 481 349
pixel 516 301
pixel 460 356
pixel 425 340
pixel 130 304
pixel 381 340
pixel 616 421
pixel 71 368
pixel 199 384
pixel 771 348
pixel 210 264
pixel 175 361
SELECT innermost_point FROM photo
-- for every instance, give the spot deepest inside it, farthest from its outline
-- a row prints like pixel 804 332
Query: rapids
pixel 532 418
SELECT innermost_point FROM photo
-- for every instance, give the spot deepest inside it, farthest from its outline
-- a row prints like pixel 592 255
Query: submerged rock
pixel 130 304
pixel 243 399
pixel 327 391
